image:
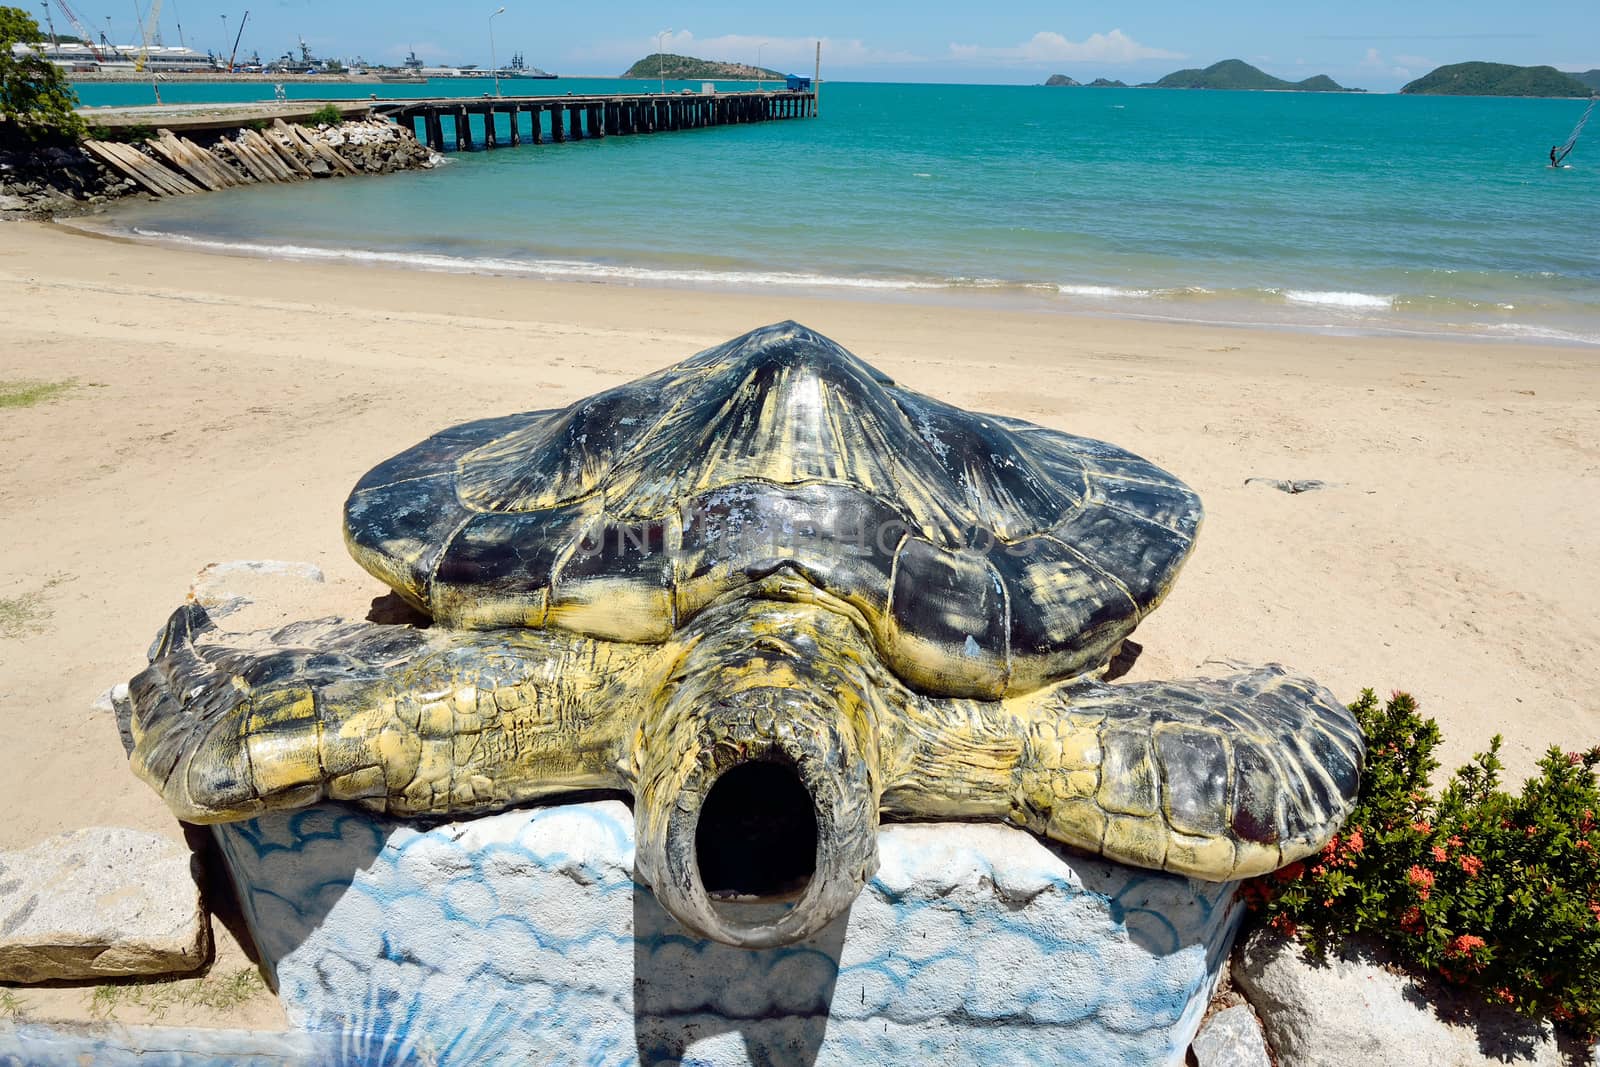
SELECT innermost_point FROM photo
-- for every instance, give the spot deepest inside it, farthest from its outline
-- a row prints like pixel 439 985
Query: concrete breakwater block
pixel 102 902
pixel 522 937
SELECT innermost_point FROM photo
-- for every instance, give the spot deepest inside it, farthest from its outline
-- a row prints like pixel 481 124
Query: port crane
pixel 80 29
pixel 236 38
pixel 148 32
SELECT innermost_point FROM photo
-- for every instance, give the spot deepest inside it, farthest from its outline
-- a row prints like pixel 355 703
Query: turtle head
pixel 757 788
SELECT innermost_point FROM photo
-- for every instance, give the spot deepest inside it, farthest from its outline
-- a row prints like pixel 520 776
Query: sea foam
pixel 1338 299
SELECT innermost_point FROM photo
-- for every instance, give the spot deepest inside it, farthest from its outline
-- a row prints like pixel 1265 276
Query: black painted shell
pixel 986 555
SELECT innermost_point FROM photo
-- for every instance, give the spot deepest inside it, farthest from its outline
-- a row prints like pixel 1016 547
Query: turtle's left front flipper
pixel 225 726
pixel 1218 779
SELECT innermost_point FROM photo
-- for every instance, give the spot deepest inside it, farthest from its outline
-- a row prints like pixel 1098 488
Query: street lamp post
pixel 661 61
pixel 493 61
pixel 225 37
pixel 760 85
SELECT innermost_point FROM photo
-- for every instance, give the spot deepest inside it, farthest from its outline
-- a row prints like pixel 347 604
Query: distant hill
pixel 1098 83
pixel 1237 74
pixel 1591 78
pixel 1496 79
pixel 688 68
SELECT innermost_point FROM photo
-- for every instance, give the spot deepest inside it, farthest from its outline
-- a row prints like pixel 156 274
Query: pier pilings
pixel 586 117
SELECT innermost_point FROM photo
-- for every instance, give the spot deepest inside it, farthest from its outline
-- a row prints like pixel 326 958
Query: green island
pixel 1237 74
pixel 688 68
pixel 1502 79
pixel 1098 83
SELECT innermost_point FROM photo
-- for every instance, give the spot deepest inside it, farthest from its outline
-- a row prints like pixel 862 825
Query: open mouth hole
pixel 756 842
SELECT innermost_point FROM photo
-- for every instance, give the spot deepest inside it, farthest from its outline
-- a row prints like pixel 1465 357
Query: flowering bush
pixel 1489 889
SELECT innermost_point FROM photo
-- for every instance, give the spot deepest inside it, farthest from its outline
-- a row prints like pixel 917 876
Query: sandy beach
pixel 221 409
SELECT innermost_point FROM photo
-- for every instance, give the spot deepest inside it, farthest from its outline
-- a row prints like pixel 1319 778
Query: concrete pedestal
pixel 522 937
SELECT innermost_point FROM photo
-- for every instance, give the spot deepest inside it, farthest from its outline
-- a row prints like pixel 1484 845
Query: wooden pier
pixel 514 120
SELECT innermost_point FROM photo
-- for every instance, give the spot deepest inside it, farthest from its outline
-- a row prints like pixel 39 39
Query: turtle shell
pixel 987 556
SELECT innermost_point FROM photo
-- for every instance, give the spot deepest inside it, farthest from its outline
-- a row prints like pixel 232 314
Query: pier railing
pixel 515 120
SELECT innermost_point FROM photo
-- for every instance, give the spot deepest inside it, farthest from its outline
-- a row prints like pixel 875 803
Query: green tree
pixel 35 96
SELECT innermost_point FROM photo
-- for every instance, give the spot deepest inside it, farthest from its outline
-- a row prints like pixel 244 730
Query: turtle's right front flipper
pixel 1218 779
pixel 403 720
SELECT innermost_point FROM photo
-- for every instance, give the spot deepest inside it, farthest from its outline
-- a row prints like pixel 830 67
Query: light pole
pixel 225 35
pixel 661 61
pixel 493 62
pixel 760 87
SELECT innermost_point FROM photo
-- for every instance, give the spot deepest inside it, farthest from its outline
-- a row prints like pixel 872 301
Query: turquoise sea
pixel 1346 212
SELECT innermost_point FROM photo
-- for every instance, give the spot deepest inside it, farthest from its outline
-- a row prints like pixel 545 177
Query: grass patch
pixel 216 993
pixel 25 614
pixel 24 393
pixel 12 1006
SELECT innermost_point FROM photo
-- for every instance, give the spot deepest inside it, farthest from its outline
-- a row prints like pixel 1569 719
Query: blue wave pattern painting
pixel 523 937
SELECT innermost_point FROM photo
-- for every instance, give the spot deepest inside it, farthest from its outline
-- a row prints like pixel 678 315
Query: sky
pixel 1361 43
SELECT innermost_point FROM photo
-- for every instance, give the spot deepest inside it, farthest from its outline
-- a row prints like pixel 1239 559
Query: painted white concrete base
pixel 522 937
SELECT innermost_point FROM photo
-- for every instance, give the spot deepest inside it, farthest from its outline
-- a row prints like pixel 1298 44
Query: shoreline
pixel 1295 307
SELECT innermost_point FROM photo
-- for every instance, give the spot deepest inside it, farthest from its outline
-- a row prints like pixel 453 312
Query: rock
pixel 100 902
pixel 523 937
pixel 1355 1012
pixel 224 587
pixel 1232 1038
pixel 319 168
pixel 1284 486
pixel 13 203
pixel 111 698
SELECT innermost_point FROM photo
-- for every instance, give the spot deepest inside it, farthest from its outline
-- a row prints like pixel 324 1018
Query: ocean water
pixel 1328 211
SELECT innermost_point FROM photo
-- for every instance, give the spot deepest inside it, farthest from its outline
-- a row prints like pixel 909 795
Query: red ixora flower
pixel 1574 758
pixel 1422 827
pixel 1411 920
pixel 1420 877
pixel 1282 922
pixel 1439 854
pixel 1463 945
pixel 1291 872
pixel 1472 865
pixel 1504 994
pixel 1355 842
pixel 1453 841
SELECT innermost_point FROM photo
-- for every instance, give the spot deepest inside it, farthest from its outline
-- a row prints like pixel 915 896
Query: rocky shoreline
pixel 74 179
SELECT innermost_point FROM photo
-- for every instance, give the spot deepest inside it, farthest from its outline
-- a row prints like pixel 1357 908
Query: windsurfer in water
pixel 1555 156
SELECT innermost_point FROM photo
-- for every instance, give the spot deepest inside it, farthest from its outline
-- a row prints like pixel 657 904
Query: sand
pixel 222 408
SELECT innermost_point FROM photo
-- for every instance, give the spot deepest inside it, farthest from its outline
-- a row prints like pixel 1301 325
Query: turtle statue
pixel 775 597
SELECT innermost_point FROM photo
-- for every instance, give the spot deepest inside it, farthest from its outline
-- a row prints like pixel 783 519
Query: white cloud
pixel 1394 66
pixel 1048 47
